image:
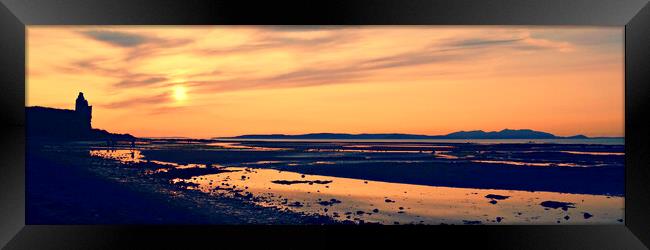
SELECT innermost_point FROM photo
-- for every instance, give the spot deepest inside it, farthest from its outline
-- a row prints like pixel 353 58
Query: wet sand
pixel 395 203
pixel 526 167
pixel 212 182
pixel 67 186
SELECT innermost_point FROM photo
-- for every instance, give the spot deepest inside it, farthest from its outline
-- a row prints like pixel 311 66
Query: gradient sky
pixel 205 81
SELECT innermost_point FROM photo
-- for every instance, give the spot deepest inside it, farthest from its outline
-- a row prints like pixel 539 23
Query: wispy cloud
pixel 140 82
pixel 137 101
pixel 307 28
pixel 139 45
pixel 483 42
pixel 252 78
pixel 122 39
pixel 271 41
pixel 328 39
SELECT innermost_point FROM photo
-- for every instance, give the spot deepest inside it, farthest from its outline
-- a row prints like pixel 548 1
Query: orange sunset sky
pixel 208 81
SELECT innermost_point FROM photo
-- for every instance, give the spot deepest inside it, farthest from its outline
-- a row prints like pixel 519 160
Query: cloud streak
pixel 272 41
pixel 350 72
pixel 137 101
pixel 329 39
pixel 140 82
pixel 295 79
pixel 121 39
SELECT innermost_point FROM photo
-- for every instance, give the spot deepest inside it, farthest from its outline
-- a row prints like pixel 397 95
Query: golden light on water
pixel 179 93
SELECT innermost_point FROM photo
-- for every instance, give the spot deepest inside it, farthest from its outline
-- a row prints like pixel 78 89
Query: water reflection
pixel 592 153
pixel 136 156
pixel 394 203
pixel 370 151
pixel 533 164
pixel 237 145
pixel 122 155
pixel 445 155
pixel 382 202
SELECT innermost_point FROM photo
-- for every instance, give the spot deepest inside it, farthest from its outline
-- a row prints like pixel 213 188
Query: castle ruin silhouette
pixel 45 122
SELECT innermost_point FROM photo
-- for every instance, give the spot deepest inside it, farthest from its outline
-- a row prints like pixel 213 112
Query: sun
pixel 179 93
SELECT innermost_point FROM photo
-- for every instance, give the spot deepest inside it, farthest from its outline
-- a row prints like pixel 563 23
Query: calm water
pixel 395 203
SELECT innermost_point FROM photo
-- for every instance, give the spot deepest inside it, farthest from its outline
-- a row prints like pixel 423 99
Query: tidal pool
pixel 395 203
pixel 358 200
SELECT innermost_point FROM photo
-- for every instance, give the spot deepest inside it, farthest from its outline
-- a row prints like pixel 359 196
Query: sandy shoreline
pixel 67 187
pixel 198 182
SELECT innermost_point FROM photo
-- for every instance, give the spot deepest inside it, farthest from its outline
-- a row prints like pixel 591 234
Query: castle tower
pixel 84 111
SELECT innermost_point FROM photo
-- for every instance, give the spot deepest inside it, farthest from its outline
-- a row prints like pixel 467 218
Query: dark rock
pixel 497 197
pixel 295 204
pixel 558 204
pixel 286 182
pixel 329 203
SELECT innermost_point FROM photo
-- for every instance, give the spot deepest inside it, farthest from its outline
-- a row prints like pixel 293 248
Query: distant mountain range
pixel 475 134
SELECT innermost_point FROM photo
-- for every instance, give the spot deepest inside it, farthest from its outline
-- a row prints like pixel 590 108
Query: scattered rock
pixel 286 182
pixel 389 201
pixel 329 203
pixel 558 204
pixel 587 215
pixel 295 204
pixel 497 197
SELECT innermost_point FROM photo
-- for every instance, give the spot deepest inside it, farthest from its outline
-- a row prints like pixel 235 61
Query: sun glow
pixel 179 93
pixel 311 79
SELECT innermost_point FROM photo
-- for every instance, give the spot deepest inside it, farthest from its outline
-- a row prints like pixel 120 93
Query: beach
pixel 185 181
pixel 66 186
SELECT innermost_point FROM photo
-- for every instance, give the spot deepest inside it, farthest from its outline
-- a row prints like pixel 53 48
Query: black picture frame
pixel 634 15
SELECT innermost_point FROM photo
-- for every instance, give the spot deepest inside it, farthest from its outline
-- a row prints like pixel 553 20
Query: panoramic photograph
pixel 321 125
